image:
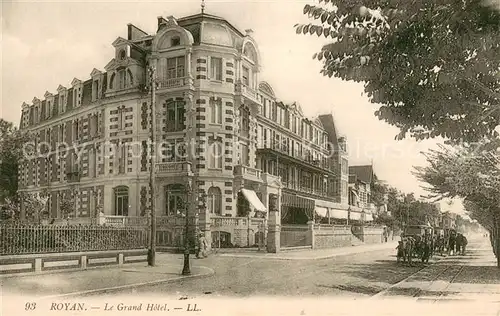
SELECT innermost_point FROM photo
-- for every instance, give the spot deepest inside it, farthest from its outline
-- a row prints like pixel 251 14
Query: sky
pixel 45 44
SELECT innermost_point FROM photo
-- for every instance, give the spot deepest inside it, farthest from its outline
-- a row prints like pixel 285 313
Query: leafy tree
pixel 475 177
pixel 433 65
pixel 11 151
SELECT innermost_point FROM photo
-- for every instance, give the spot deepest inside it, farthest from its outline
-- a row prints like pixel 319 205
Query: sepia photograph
pixel 250 157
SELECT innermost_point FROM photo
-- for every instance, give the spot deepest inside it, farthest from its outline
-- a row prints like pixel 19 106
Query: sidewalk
pixel 315 254
pixel 101 280
pixel 473 277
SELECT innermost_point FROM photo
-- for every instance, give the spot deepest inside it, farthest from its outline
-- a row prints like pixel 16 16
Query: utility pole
pixel 152 240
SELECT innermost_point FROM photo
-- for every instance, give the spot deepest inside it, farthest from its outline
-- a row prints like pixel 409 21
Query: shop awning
pixel 368 217
pixel 355 216
pixel 338 214
pixel 321 211
pixel 253 199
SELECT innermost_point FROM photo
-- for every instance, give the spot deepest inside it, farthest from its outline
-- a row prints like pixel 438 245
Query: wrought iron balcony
pixel 173 168
pixel 246 92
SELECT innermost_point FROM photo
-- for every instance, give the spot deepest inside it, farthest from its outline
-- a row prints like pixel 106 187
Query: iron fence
pixel 31 239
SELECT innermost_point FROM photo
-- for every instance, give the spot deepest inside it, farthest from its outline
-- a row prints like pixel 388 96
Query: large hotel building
pixel 221 128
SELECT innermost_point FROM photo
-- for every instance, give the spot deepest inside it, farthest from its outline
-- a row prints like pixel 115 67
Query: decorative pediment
pixel 25 106
pixel 95 72
pixel 75 82
pixel 36 100
pixel 266 88
pixel 48 95
pixel 113 64
pixel 61 88
pixel 120 41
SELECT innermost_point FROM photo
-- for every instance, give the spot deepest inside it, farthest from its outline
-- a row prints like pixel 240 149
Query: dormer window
pixel 175 41
pixel 123 54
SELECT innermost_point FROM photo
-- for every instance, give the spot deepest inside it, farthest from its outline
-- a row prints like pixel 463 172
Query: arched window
pixel 112 81
pixel 214 201
pixel 121 200
pixel 130 78
pixel 215 154
pixel 216 111
pixel 175 197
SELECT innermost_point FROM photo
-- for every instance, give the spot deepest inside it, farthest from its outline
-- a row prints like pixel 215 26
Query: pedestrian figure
pixel 202 247
pixel 451 244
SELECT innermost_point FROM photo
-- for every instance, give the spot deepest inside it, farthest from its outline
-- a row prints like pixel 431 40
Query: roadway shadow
pixel 414 292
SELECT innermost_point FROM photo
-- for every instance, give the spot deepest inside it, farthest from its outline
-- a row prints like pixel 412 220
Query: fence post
pixel 274 230
pixel 310 233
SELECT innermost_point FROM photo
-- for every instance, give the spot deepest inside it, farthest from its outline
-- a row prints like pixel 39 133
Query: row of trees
pixel 403 208
pixel 433 68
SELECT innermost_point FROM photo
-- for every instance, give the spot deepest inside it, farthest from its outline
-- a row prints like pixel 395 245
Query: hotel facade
pixel 222 132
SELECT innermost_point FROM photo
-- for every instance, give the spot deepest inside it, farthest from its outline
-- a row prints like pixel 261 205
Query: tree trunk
pixel 497 244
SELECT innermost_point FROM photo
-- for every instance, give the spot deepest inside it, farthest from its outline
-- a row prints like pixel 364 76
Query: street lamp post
pixel 186 270
pixel 152 240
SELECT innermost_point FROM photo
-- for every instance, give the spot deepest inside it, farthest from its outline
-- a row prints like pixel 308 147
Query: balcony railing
pixel 172 82
pixel 308 158
pixel 173 167
pixel 247 171
pixel 246 91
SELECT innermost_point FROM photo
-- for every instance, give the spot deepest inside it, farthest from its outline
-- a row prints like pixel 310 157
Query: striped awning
pixel 321 211
pixel 253 199
pixel 338 214
pixel 368 217
pixel 297 201
pixel 355 216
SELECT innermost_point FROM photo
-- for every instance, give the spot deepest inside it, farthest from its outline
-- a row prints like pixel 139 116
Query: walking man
pixel 202 246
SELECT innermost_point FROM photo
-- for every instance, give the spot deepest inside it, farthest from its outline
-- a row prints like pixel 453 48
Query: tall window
pixel 244 155
pixel 216 111
pixel 61 103
pixel 245 121
pixel 214 200
pixel 175 150
pixel 122 160
pixel 92 163
pixel 175 199
pixel 216 68
pixel 246 76
pixel 175 116
pixel 122 79
pixel 175 67
pixel 121 201
pixel 215 154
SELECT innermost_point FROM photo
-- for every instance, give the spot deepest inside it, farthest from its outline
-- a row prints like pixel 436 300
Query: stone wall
pixel 332 236
pixel 373 235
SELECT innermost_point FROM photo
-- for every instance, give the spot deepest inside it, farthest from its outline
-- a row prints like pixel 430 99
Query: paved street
pixel 356 275
pixel 351 272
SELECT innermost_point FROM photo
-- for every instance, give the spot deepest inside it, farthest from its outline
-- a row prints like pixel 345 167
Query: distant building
pixel 360 202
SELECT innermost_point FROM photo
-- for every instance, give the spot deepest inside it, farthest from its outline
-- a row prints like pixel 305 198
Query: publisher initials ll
pixel 192 308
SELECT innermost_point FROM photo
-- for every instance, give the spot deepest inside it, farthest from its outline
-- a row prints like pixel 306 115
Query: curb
pixel 273 257
pixel 210 272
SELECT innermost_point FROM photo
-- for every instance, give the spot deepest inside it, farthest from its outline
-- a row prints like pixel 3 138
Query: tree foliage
pixel 433 65
pixel 474 176
pixel 11 151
